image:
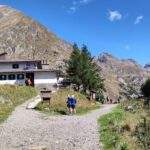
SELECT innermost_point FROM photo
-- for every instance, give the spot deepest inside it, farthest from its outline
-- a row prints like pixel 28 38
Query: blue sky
pixel 119 27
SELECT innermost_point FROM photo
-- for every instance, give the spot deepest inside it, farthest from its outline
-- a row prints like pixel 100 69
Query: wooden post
pixel 92 95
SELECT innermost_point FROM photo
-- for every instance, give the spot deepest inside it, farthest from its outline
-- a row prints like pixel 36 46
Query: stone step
pixel 34 102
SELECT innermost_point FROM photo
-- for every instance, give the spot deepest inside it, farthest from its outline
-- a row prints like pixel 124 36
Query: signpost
pixel 46 96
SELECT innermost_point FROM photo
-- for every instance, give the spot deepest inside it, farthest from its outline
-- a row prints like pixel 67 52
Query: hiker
pixel 73 104
pixel 69 104
pixel 26 81
pixel 118 100
pixel 30 82
pixel 111 101
pixel 107 99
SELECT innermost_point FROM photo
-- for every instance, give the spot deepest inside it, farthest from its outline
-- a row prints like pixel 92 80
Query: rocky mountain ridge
pixel 23 37
pixel 122 77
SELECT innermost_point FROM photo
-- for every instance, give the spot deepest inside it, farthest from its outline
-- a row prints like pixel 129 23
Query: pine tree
pixel 85 64
pixel 74 70
pixel 91 79
pixel 83 71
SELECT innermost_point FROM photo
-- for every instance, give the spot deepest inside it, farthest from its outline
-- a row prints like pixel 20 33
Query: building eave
pixel 19 61
pixel 26 71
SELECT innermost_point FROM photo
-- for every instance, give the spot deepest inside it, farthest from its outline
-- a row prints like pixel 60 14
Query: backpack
pixel 69 101
pixel 73 101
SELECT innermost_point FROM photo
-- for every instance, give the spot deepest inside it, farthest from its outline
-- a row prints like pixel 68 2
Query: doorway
pixel 31 77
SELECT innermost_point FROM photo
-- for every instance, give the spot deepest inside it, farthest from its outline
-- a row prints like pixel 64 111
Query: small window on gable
pixel 15 66
pixel 20 76
pixel 11 77
pixel 3 77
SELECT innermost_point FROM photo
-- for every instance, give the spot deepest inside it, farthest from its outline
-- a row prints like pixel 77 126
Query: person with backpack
pixel 69 104
pixel 73 104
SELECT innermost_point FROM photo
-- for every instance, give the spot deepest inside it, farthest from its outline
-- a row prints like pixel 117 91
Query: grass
pixel 16 95
pixel 59 105
pixel 118 129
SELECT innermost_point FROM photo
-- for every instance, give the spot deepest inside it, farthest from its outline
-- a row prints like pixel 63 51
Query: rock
pixel 37 148
pixel 34 103
pixel 129 107
pixel 57 142
pixel 5 101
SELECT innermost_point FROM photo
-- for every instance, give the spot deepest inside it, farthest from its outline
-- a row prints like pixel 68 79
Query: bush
pixel 143 134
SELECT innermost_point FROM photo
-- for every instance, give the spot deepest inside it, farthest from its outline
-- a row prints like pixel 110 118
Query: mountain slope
pixel 122 77
pixel 23 37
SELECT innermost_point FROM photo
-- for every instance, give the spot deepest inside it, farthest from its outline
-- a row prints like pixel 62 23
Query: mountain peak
pixel 147 66
pixel 105 57
pixel 130 60
pixel 105 54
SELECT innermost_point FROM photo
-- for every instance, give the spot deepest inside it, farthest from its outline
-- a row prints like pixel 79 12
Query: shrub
pixel 143 134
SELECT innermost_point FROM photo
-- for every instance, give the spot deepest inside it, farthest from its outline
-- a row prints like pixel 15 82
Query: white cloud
pixel 85 1
pixel 75 4
pixel 114 15
pixel 138 19
pixel 72 9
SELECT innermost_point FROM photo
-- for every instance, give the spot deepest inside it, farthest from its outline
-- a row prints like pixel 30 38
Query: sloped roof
pixel 1 54
pixel 18 61
pixel 25 71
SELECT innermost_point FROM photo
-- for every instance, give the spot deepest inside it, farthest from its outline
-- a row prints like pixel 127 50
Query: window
pixel 27 66
pixel 15 66
pixel 20 76
pixel 11 77
pixel 3 77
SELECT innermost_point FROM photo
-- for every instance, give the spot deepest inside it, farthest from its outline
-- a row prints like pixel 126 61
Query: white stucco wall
pixel 12 82
pixel 45 78
pixel 60 79
pixel 39 78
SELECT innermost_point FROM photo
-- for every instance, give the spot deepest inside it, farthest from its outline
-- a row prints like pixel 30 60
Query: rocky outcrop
pixel 147 67
pixel 5 101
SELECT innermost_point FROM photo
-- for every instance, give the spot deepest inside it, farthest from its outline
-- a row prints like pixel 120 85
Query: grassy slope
pixel 59 105
pixel 17 95
pixel 118 128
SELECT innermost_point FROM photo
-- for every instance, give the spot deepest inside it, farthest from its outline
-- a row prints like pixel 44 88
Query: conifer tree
pixel 74 70
pixel 83 71
pixel 85 64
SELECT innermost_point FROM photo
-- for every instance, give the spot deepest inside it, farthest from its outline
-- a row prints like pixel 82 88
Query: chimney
pixel 45 64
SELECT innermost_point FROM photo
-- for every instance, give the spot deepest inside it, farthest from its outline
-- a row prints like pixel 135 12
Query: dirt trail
pixel 25 129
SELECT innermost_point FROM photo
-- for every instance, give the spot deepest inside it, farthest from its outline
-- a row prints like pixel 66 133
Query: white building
pixel 17 71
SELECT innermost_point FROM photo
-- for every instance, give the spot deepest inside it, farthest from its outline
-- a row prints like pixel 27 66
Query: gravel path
pixel 26 129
